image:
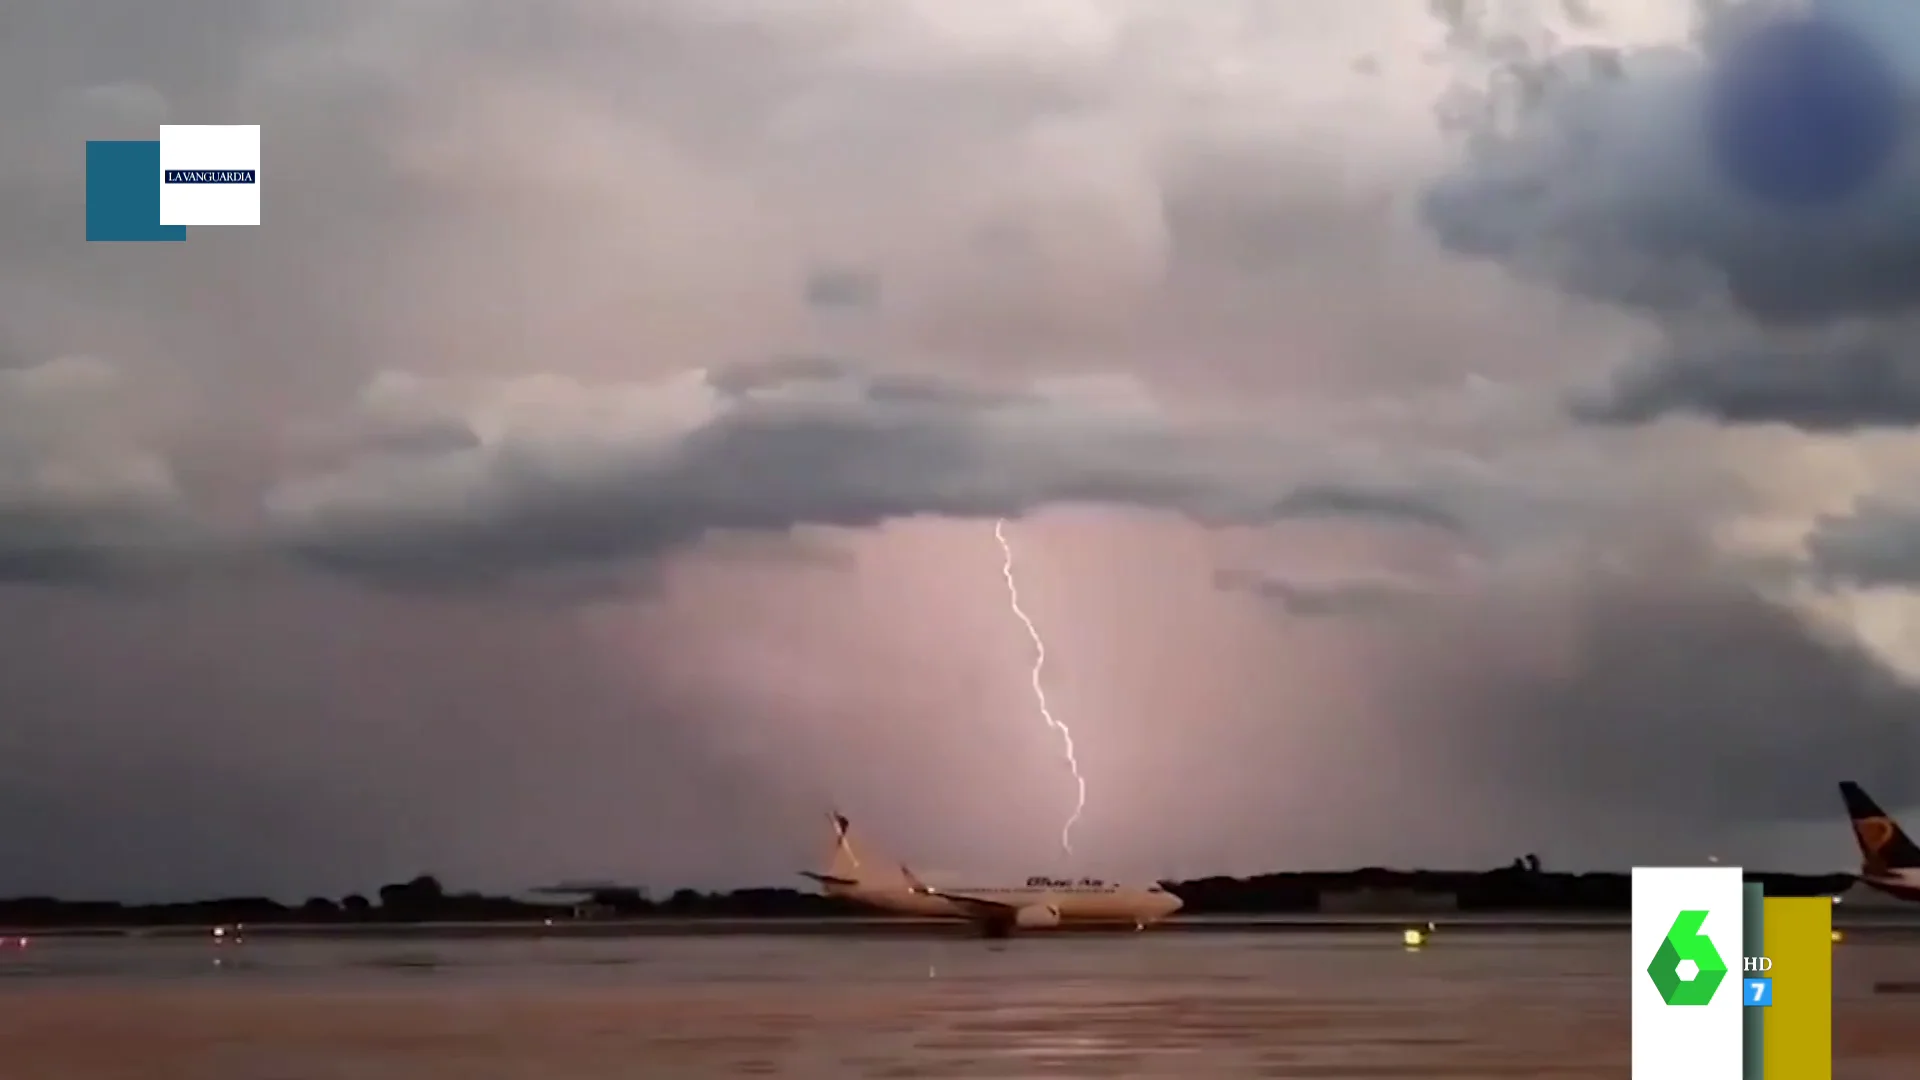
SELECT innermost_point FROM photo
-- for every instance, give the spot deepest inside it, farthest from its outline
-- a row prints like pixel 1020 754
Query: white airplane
pixel 1042 902
pixel 1889 861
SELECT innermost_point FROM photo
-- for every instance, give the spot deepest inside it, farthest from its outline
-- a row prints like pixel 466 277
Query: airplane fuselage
pixel 1899 884
pixel 1040 902
pixel 1077 901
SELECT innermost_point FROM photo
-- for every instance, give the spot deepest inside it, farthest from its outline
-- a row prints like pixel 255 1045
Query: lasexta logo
pixel 1686 946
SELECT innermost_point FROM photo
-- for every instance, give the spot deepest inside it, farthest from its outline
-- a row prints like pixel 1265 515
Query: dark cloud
pixel 1666 686
pixel 1832 382
pixel 1693 700
pixel 80 498
pixel 1876 544
pixel 839 288
pixel 1589 169
pixel 1324 599
pixel 571 474
pixel 1406 508
pixel 493 744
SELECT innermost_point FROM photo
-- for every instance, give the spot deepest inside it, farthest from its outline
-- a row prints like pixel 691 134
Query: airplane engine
pixel 1037 917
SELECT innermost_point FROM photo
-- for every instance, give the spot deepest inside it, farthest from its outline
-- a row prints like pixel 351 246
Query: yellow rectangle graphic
pixel 1799 1024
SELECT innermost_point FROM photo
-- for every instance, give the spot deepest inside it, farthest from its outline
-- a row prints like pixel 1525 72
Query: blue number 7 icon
pixel 1758 993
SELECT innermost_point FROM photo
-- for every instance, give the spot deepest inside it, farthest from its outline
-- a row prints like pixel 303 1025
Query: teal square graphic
pixel 123 193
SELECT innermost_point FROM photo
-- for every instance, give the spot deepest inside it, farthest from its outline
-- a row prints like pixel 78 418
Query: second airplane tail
pixel 1884 846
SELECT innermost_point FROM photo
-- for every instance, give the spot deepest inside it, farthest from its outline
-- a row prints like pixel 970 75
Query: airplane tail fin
pixel 845 863
pixel 1884 846
pixel 843 866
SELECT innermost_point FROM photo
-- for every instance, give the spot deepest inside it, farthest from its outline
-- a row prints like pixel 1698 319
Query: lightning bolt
pixel 1039 689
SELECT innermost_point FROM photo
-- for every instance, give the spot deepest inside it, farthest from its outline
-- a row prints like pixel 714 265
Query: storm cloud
pixel 1590 168
pixel 1317 599
pixel 80 497
pixel 585 469
pixel 1674 724
pixel 553 471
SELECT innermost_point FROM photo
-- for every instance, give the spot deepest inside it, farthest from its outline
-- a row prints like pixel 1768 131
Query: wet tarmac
pixel 1303 1005
pixel 1877 922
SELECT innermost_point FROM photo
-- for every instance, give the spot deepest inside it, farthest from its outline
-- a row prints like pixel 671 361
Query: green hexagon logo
pixel 1686 944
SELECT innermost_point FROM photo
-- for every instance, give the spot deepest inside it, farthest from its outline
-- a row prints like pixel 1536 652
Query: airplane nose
pixel 1172 904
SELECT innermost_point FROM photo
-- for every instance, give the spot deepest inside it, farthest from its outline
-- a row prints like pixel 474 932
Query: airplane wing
pixel 976 906
pixel 829 879
pixel 996 918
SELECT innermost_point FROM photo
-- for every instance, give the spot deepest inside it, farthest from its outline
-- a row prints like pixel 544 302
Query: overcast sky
pixel 588 468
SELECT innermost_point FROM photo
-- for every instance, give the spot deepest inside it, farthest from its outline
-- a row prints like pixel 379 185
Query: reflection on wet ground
pixel 1476 1007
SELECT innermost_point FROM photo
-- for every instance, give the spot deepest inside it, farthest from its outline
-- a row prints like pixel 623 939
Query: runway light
pixel 1414 937
pixel 1838 937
